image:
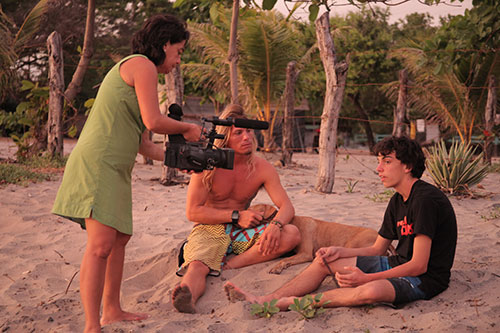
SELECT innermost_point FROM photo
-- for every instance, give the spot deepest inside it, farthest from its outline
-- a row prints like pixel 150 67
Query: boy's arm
pixel 415 267
pixel 333 253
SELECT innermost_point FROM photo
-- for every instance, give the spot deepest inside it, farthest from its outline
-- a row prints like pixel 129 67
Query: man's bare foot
pixel 235 294
pixel 182 299
pixel 122 316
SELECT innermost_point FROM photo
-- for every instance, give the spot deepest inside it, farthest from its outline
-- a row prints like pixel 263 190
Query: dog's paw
pixel 276 269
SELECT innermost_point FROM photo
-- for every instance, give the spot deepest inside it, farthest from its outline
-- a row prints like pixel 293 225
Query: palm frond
pixel 30 25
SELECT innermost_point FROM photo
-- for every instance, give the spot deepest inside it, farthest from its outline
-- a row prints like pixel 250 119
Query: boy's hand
pixel 351 277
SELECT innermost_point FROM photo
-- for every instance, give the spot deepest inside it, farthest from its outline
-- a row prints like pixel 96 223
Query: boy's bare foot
pixel 122 316
pixel 235 294
pixel 182 299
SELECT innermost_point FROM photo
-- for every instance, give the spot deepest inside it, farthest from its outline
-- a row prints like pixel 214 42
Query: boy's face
pixel 390 170
pixel 241 140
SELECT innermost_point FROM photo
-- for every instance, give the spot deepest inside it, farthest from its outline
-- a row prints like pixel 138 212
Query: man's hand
pixel 330 254
pixel 249 219
pixel 351 277
pixel 269 242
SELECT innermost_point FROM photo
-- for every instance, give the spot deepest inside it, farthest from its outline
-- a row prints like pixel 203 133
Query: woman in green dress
pixel 96 186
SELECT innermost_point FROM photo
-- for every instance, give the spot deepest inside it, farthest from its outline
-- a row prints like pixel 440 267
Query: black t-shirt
pixel 429 212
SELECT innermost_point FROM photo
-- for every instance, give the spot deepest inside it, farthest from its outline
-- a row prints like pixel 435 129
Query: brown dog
pixel 317 234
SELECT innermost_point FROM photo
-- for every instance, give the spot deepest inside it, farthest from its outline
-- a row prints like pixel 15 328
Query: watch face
pixel 235 216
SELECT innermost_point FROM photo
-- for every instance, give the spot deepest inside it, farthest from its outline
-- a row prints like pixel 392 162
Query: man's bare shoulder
pixel 262 163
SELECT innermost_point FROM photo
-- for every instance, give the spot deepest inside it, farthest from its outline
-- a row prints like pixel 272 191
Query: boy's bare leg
pixel 192 286
pixel 305 283
pixel 111 310
pixel 290 238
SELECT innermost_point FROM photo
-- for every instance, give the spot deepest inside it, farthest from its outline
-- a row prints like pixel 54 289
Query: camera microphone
pixel 250 123
pixel 175 112
pixel 240 122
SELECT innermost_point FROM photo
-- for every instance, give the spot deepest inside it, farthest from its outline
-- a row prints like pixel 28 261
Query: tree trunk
pixel 400 117
pixel 88 50
pixel 291 78
pixel 336 75
pixel 366 123
pixel 56 101
pixel 491 106
pixel 233 52
pixel 174 90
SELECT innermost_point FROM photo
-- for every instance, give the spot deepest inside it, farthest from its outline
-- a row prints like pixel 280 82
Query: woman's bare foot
pixel 122 316
pixel 182 299
pixel 235 294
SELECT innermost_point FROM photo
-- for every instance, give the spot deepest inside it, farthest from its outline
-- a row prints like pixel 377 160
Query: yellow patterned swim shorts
pixel 209 243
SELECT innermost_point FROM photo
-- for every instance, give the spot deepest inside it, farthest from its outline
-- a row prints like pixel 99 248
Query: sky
pixel 397 12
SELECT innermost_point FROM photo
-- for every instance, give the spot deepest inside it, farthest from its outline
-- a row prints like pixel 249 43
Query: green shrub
pixel 307 306
pixel 457 170
pixel 266 310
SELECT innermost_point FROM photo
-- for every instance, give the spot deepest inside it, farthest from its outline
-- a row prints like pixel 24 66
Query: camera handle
pixel 212 135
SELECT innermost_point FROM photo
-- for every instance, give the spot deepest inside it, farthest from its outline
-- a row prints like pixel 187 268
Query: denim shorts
pixel 407 287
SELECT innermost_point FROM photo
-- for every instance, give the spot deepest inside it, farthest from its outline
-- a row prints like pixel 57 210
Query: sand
pixel 40 255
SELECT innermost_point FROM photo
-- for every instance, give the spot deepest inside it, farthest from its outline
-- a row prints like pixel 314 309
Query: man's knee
pixel 198 267
pixel 291 236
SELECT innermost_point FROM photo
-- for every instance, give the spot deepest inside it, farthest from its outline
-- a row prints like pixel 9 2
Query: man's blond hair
pixel 231 111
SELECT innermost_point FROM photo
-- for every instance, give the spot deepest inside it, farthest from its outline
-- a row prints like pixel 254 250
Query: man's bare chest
pixel 235 186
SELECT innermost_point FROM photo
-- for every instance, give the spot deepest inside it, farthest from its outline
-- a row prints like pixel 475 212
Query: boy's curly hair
pixel 408 151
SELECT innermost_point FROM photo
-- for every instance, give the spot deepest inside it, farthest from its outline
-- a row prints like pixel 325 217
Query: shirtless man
pixel 419 216
pixel 217 203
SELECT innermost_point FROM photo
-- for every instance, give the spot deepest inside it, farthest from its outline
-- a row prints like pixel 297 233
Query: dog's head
pixel 268 212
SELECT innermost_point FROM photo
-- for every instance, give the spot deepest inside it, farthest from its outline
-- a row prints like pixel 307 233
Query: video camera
pixel 199 156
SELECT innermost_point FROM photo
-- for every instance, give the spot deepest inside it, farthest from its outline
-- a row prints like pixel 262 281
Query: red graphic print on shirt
pixel 406 229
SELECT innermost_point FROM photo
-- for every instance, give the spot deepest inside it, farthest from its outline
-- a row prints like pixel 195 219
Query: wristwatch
pixel 235 217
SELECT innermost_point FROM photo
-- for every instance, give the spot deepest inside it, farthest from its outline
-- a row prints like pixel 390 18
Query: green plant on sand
pixel 307 306
pixel 457 170
pixel 266 310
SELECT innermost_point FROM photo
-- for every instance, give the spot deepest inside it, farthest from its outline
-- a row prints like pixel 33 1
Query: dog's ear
pixel 266 210
pixel 270 210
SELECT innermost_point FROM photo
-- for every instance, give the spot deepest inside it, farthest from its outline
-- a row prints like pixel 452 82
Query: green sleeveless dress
pixel 97 177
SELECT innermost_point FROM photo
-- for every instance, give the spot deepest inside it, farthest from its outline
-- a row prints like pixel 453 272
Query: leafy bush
pixel 455 171
pixel 307 306
pixel 266 310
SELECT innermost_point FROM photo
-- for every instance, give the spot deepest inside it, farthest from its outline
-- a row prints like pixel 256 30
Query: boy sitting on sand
pixel 419 216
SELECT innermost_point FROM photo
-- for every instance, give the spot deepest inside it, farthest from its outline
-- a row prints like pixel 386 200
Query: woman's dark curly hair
pixel 157 31
pixel 407 151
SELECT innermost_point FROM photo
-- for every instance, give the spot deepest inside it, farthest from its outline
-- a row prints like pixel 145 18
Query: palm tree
pixel 267 42
pixel 13 43
pixel 450 70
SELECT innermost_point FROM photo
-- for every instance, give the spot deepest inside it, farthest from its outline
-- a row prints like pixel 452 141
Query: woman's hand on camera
pixel 193 133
